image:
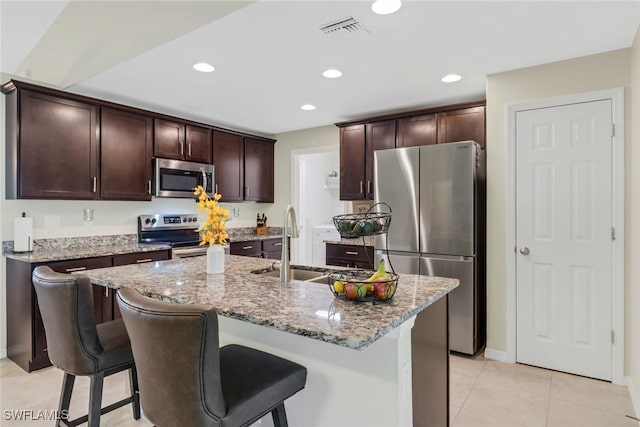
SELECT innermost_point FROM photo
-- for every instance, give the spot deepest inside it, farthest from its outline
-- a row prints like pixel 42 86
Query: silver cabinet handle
pixel 71 270
pixel 351 253
pixel 277 244
pixel 181 143
pixel 95 184
pixel 247 247
pixel 361 187
pixel 149 186
pixel 524 250
pixel 368 187
pixel 189 148
pixel 106 292
pixel 139 261
pixel 216 188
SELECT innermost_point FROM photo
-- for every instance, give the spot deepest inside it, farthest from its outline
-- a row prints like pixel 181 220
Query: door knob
pixel 524 250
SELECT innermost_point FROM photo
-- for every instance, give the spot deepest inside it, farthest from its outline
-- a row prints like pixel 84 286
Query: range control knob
pixel 153 221
pixel 184 219
pixel 147 221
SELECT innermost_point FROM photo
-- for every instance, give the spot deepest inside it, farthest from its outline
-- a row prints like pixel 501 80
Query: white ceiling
pixel 269 55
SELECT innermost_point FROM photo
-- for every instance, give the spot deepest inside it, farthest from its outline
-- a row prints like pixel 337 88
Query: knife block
pixel 261 230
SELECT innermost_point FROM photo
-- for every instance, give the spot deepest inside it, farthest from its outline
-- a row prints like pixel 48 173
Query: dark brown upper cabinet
pixel 379 136
pixel 352 162
pixel 228 161
pixel 126 141
pixel 258 170
pixel 174 140
pixel 52 147
pixel 417 130
pixel 466 124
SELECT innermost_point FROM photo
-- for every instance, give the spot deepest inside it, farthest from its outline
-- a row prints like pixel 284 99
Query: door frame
pixel 616 95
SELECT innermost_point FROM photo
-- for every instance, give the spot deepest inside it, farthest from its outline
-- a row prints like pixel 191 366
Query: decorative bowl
pixel 355 285
pixel 361 225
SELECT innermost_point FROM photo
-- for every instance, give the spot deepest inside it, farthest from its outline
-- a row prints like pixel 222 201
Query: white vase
pixel 215 259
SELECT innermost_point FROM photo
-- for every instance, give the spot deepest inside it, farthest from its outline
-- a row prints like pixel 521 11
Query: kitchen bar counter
pixel 302 308
pixel 42 255
pixel 358 355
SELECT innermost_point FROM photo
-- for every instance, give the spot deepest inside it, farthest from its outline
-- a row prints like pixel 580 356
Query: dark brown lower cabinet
pixel 354 256
pixel 26 340
pixel 267 248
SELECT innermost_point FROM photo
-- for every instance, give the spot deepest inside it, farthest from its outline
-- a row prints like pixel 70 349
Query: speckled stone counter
pixel 302 308
pixel 47 250
pixel 246 234
pixel 368 241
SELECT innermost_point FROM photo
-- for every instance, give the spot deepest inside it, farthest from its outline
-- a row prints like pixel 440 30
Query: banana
pixel 381 273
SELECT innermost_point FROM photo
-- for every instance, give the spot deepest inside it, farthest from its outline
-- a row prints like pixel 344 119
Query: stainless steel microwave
pixel 176 178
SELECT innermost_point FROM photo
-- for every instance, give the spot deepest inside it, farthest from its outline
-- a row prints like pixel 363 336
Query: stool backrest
pixel 66 307
pixel 177 354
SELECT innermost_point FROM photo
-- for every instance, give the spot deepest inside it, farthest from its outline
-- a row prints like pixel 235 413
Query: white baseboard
pixel 635 398
pixel 3 353
pixel 498 355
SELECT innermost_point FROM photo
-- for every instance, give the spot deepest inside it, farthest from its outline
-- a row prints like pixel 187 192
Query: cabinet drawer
pixel 80 264
pixel 141 257
pixel 247 248
pixel 349 252
pixel 271 245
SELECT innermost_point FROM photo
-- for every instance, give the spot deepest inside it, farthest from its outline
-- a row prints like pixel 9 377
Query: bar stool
pixel 187 379
pixel 79 347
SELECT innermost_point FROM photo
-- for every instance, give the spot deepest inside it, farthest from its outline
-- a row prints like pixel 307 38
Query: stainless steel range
pixel 176 230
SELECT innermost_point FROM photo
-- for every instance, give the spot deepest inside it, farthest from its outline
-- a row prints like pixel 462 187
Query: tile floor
pixel 483 393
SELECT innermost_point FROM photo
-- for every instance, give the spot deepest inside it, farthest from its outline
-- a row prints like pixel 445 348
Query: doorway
pixel 316 199
pixel 566 271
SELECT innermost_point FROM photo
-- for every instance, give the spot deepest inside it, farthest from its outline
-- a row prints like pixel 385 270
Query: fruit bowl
pixel 356 285
pixel 361 225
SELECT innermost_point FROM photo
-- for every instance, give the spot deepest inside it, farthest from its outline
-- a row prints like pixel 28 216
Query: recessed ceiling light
pixel 332 73
pixel 308 107
pixel 451 78
pixel 203 67
pixel 386 7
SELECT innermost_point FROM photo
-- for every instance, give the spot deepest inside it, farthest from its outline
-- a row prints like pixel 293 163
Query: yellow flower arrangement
pixel 213 231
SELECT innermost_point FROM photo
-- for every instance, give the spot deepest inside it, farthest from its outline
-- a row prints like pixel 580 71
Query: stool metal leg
pixel 135 392
pixel 95 399
pixel 279 416
pixel 65 398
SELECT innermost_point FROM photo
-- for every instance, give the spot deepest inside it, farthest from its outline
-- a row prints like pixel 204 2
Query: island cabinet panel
pixel 417 130
pixel 228 159
pixel 272 248
pixel 247 248
pixel 466 124
pixel 379 136
pixel 354 256
pixel 352 162
pixel 179 141
pixel 126 147
pixel 258 170
pixel 26 338
pixel 57 150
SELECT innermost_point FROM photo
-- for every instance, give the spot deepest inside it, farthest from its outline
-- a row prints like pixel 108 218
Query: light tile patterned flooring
pixel 483 393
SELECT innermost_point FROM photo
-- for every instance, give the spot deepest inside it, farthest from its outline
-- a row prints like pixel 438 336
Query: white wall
pixel 632 297
pixel 603 71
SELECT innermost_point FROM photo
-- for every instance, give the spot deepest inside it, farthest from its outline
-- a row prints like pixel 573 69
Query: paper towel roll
pixel 23 234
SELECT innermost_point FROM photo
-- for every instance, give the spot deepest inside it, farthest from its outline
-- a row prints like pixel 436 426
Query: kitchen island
pixel 358 355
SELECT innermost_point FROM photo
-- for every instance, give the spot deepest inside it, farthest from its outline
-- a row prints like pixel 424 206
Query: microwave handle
pixel 204 179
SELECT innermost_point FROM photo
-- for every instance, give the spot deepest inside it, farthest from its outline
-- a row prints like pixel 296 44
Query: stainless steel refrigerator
pixel 437 228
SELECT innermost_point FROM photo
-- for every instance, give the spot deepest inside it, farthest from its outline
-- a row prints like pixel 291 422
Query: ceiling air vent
pixel 342 27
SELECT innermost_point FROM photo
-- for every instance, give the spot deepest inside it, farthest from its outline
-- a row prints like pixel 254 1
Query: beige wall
pixel 585 74
pixel 632 297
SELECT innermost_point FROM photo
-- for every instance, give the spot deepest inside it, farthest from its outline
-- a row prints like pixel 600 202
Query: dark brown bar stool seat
pixel 79 347
pixel 187 379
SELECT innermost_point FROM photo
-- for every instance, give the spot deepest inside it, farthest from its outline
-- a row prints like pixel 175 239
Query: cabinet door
pixel 417 130
pixel 58 150
pixel 467 124
pixel 352 163
pixel 258 170
pixel 379 136
pixel 168 139
pixel 198 144
pixel 228 160
pixel 126 150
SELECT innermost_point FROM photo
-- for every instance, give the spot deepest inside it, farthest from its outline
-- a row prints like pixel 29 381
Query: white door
pixel 564 238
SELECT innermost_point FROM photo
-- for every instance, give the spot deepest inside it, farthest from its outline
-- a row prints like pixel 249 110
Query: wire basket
pixel 355 285
pixel 365 224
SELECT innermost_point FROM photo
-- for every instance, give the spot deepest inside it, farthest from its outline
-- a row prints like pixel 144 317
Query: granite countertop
pixel 303 308
pixel 368 241
pixel 253 237
pixel 61 254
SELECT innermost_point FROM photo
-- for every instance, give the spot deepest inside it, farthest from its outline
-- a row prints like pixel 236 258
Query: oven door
pixel 175 178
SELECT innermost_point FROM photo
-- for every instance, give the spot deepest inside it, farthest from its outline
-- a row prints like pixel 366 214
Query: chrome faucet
pixel 285 265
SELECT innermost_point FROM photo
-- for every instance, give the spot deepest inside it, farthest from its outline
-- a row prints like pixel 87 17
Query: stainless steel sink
pixel 296 274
